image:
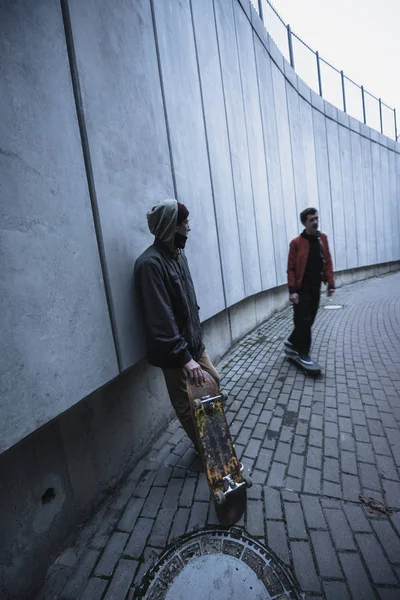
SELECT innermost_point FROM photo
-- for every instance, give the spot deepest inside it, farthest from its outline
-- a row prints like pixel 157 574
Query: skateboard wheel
pixel 248 481
pixel 219 497
pixel 224 395
pixel 197 404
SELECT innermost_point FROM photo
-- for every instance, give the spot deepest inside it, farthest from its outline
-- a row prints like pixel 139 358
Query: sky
pixel 362 37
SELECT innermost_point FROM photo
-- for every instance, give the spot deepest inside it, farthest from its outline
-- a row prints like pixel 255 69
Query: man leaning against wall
pixel 171 315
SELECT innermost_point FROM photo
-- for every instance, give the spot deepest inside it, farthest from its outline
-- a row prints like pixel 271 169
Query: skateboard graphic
pixel 224 474
pixel 314 369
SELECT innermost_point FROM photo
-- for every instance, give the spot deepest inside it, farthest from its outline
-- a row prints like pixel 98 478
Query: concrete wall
pixel 108 108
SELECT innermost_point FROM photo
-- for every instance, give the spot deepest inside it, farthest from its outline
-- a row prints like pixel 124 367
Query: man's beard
pixel 180 241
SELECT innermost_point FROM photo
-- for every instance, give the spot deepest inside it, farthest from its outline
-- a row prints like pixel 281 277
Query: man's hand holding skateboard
pixel 195 372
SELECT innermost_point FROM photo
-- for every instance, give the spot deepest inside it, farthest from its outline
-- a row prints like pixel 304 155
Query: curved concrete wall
pixel 108 108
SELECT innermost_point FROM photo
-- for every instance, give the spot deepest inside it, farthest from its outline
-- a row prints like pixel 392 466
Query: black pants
pixel 304 314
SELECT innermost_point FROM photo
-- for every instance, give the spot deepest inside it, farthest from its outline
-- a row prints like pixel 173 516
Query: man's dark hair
pixel 306 213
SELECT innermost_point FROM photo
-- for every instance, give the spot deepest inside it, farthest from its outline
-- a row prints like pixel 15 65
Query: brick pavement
pixel 312 446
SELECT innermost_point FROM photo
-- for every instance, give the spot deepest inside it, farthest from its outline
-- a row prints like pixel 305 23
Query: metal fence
pixel 330 83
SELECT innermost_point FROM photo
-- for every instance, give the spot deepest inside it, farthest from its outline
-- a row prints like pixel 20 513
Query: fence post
pixel 290 43
pixel 380 114
pixel 319 74
pixel 261 10
pixel 343 92
pixel 363 105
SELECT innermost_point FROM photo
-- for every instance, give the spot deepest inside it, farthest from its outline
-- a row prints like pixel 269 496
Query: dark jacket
pixel 297 261
pixel 170 309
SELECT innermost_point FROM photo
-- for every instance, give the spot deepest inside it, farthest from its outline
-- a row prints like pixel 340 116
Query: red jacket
pixel 297 261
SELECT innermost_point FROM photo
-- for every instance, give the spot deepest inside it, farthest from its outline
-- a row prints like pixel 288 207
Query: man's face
pixel 312 223
pixel 184 227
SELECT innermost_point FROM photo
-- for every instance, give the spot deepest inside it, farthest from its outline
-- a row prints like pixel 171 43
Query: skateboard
pixel 314 369
pixel 224 474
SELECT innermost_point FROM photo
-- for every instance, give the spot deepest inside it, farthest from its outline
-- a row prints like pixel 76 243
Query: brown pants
pixel 176 386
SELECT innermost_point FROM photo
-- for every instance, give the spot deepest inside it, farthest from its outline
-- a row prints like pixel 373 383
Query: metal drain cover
pixel 333 306
pixel 216 563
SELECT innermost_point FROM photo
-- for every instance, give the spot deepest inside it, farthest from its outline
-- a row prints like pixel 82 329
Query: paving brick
pixel 331 470
pixel 324 553
pixel 153 501
pixel 314 457
pixel 299 444
pixel 380 445
pixel 304 567
pixel 377 563
pixel 94 589
pixel 276 475
pixel 122 580
pixel 138 538
pixel 282 453
pixel 252 448
pixel 295 521
pixel 159 533
pixel 315 438
pixel 340 531
pixel 163 476
pixel 313 512
pixel 331 489
pixel 312 481
pixel 347 442
pixel 365 452
pixel 348 462
pixel 356 576
pixel 186 497
pixel 277 541
pixel 392 493
pixel 272 502
pixel 356 518
pixel 386 594
pixel 179 524
pixel 198 515
pixel 264 460
pixel 331 448
pixel 388 539
pixel 111 554
pixel 296 465
pixel 336 590
pixel 358 417
pixel 255 518
pixel 386 467
pixel 331 430
pixel 77 582
pixel 351 487
pixel 130 515
pixel 345 425
pixel 202 493
pixel 369 476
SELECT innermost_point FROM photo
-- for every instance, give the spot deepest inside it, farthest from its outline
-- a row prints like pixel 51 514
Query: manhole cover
pixel 222 564
pixel 333 306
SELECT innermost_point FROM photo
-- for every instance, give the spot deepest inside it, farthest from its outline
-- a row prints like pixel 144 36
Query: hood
pixel 162 220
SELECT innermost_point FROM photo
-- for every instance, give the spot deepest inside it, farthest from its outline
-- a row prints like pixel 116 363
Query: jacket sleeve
pixel 328 265
pixel 291 268
pixel 158 314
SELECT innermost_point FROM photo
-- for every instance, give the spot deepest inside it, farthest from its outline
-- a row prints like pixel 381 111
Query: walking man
pixel 170 310
pixel 309 264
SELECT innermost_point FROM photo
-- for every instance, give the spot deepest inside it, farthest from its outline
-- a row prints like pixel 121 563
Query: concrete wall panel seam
pixel 264 145
pixel 247 135
pixel 69 38
pixel 208 157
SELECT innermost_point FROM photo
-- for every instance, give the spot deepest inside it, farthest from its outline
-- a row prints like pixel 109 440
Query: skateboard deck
pixel 223 470
pixel 314 369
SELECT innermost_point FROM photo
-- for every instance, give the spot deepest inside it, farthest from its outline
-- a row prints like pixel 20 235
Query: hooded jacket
pixel 165 287
pixel 297 262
